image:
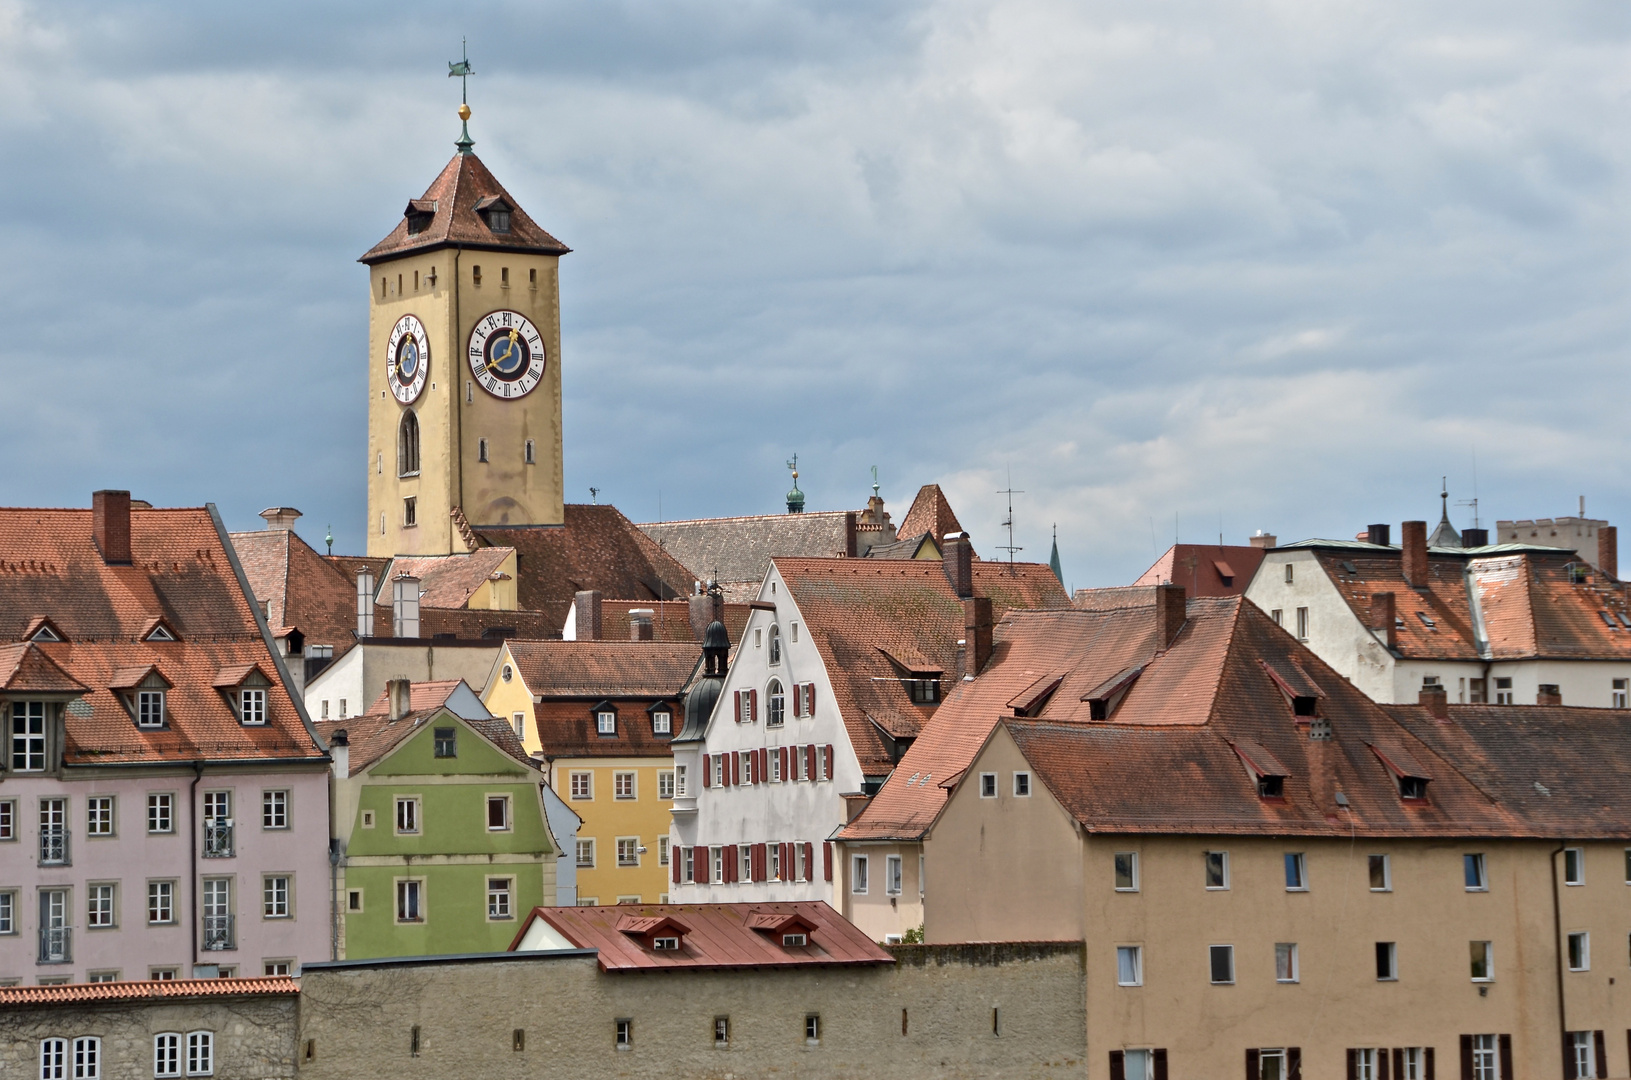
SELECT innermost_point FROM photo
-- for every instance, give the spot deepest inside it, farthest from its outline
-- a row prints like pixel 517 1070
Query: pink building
pixel 163 796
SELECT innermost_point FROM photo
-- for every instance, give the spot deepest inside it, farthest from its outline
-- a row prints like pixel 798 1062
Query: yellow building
pixel 599 716
pixel 464 386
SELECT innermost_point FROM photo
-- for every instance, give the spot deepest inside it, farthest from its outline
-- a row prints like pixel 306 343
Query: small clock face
pixel 407 359
pixel 507 354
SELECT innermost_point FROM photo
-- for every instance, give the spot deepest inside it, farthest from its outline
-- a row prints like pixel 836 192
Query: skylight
pixel 1426 619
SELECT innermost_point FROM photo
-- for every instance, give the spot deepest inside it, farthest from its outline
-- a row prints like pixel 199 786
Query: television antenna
pixel 1008 522
pixel 1473 502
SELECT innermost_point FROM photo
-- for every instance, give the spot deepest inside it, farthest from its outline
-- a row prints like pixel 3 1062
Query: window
pixel 988 785
pixel 274 809
pixel 744 862
pixel 407 446
pixel 531 453
pixel 777 712
pixel 812 1028
pixel 1129 965
pixel 628 851
pixel 200 1053
pixel 252 706
pixel 722 1031
pixel 150 708
pixel 1296 872
pixel 1484 1061
pixel 1302 624
pixel 1217 869
pixel 1279 616
pixel 662 722
pixel 680 788
pixel 1387 961
pixel 447 742
pixel 1483 960
pixel 1022 785
pixel 775 645
pixel 28 736
pixel 409 901
pixel 583 785
pixel 498 898
pixel 6 836
pixel 481 449
pixel 8 829
pixel 8 912
pixel 167 1054
pixel 106 976
pixel 162 974
pixel 368 819
pixel 1285 962
pixel 53 1059
pixel 518 721
pixel 1580 951
pixel 1413 1063
pixel 1503 691
pixel 625 1034
pixel 1473 873
pixel 99 906
pixel 276 967
pixel 275 897
pixel 586 853
pixel 662 851
pixel 665 784
pixel 622 785
pixel 858 874
pixel 498 813
pixel 1222 959
pixel 407 815
pixel 716 868
pixel 1288 573
pixel 1365 1063
pixel 218 913
pixel 1574 866
pixel 1619 693
pixel 606 722
pixel 892 875
pixel 499 221
pixel 353 900
pixel 774 854
pixel 1126 871
pixel 1381 874
pixel 54 832
pixel 161 902
pixel 161 813
pixel 99 815
pixel 1583 1054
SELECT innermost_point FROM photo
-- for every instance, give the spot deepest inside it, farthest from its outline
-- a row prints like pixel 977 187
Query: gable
pixel 476 756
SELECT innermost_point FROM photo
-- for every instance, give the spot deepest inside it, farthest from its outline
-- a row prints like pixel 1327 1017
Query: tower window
pixel 399 284
pixel 469 391
pixel 407 446
pixel 498 220
pixel 532 277
pixel 416 281
pixel 410 512
pixel 379 463
pixel 531 453
pixel 504 276
pixel 382 288
pixel 481 449
pixel 475 275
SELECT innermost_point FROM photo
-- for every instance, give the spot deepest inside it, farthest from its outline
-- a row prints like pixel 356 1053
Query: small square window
pixel 1285 962
pixel 622 785
pixel 161 813
pixel 1217 869
pixel 1022 785
pixel 1387 961
pixel 498 898
pixel 274 809
pixel 583 785
pixel 988 785
pixel 353 900
pixel 1580 951
pixel 628 851
pixel 1473 873
pixel 447 744
pixel 1223 964
pixel 662 723
pixel 150 708
pixel 1296 872
pixel 252 706
pixel 1129 965
pixel 1381 874
pixel 625 1034
pixel 586 854
pixel 1126 871
pixel 1574 866
pixel 99 815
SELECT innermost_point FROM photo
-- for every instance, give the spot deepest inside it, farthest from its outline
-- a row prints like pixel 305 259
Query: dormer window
pixel 659 933
pixel 1268 775
pixel 150 708
pixel 252 706
pixel 1409 775
pixel 245 688
pixel 606 720
pixel 795 941
pixel 419 214
pixel 43 630
pixel 159 630
pixel 495 212
pixel 142 690
pixel 665 944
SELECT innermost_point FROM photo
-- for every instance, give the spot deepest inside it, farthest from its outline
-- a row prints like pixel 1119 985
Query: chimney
pixel 1549 694
pixel 339 750
pixel 958 560
pixel 977 632
pixel 1471 538
pixel 587 603
pixel 1322 782
pixel 962 657
pixel 1384 618
pixel 365 603
pixel 706 608
pixel 1608 551
pixel 640 628
pixel 405 606
pixel 1435 698
pixel 1263 539
pixel 110 526
pixel 849 533
pixel 1378 535
pixel 399 697
pixel 280 517
pixel 1170 613
pixel 1413 539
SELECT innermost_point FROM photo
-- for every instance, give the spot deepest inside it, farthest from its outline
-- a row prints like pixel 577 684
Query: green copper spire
pixel 329 539
pixel 461 70
pixel 795 498
pixel 1053 560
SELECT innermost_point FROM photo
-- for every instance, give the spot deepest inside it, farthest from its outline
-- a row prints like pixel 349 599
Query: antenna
pixel 1473 502
pixel 1008 523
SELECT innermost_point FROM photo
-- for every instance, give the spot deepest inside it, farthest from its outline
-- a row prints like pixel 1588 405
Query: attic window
pixel 45 633
pixel 495 212
pixel 1305 706
pixel 1609 619
pixel 1264 768
pixel 1348 566
pixel 160 633
pixel 1577 574
pixel 794 941
pixel 498 220
pixel 1408 774
pixel 665 944
pixel 1625 622
pixel 419 214
pixel 1427 620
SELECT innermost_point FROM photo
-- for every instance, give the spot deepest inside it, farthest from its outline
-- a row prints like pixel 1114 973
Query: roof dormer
pixel 788 928
pixel 1410 777
pixel 1264 768
pixel 419 214
pixel 245 688
pixel 158 629
pixel 657 933
pixel 143 691
pixel 41 628
pixel 1103 698
pixel 1302 692
pixel 495 211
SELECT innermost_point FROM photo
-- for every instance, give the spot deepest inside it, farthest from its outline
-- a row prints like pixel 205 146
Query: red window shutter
pixel 730 863
pixel 699 865
pixel 810 764
pixel 809 860
pixel 827 770
pixel 1160 1056
pixel 1118 1065
pixel 676 856
pixel 789 862
pixel 1353 1064
pixel 1506 1056
pixel 826 860
pixel 761 863
pixel 1381 1068
pixel 736 768
pixel 810 711
pixel 707 770
pixel 783 759
pixel 739 706
pixel 1602 1054
pixel 1398 1063
pixel 1466 1057
pixel 1294 1063
pixel 1251 1065
pixel 764 764
pixel 753 706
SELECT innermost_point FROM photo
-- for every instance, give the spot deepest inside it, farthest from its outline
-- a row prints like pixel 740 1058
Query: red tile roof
pixel 715 936
pixel 373 734
pixel 154 990
pixel 670 619
pixel 300 587
pixel 930 513
pixel 604 669
pixel 446 581
pixel 451 199
pixel 1202 569
pixel 24 667
pixel 860 612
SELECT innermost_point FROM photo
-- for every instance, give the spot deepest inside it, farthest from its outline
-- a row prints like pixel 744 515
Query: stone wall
pixel 987 1011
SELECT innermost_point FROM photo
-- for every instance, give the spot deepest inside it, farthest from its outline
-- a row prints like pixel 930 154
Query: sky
pixel 1170 269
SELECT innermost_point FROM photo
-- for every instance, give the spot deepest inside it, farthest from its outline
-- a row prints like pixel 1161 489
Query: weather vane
pixel 461 70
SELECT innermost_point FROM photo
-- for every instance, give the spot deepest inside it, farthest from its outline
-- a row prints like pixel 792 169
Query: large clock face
pixel 507 354
pixel 407 359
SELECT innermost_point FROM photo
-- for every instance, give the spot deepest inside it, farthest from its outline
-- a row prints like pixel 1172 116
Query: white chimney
pixel 280 517
pixel 405 607
pixel 339 749
pixel 365 603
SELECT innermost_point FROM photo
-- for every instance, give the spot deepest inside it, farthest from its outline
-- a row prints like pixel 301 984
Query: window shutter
pixel 1160 1056
pixel 1381 1067
pixel 1398 1063
pixel 730 873
pixel 1118 1065
pixel 787 862
pixel 753 706
pixel 785 758
pixel 809 861
pixel 1430 1075
pixel 1353 1064
pixel 827 772
pixel 736 768
pixel 809 761
pixel 1251 1065
pixel 707 770
pixel 761 863
pixel 1466 1058
pixel 699 865
pixel 1602 1054
pixel 1294 1063
pixel 739 706
pixel 826 860
pixel 764 764
pixel 812 698
pixel 1569 1072
pixel 1506 1057
pixel 676 856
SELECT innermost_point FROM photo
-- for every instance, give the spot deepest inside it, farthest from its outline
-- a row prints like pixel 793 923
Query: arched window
pixel 778 702
pixel 407 446
pixel 775 645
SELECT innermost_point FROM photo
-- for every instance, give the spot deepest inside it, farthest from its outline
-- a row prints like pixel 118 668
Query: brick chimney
pixel 110 526
pixel 587 604
pixel 280 517
pixel 849 533
pixel 1413 538
pixel 1435 698
pixel 1549 694
pixel 1608 550
pixel 976 632
pixel 640 627
pixel 399 697
pixel 1379 535
pixel 1170 613
pixel 958 560
pixel 706 608
pixel 1384 618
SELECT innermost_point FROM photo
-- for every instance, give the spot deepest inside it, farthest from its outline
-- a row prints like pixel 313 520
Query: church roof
pixel 448 215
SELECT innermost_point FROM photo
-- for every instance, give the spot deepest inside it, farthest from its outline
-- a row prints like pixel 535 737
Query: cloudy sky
pixel 1182 268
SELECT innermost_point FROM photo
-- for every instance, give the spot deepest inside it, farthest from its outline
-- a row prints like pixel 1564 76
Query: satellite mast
pixel 1008 523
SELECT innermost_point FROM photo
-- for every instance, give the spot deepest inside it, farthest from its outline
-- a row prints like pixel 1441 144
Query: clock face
pixel 407 359
pixel 507 354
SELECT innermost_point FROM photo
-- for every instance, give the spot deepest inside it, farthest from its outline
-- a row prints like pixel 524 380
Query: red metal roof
pixel 148 990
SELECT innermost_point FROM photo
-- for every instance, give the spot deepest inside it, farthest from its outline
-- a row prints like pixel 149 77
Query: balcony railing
pixel 218 933
pixel 57 945
pixel 53 845
pixel 218 839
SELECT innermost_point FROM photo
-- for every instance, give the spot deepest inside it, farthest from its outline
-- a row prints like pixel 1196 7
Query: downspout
pixel 1557 944
pixel 333 892
pixel 192 830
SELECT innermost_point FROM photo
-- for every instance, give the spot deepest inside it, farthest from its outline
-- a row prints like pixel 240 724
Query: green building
pixel 441 826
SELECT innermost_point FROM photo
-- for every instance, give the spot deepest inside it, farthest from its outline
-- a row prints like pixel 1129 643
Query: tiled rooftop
pixel 451 200
pixel 155 990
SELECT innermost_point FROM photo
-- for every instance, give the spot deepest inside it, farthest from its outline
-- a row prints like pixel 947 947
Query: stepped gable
pixel 450 203
pixel 870 617
pixel 930 513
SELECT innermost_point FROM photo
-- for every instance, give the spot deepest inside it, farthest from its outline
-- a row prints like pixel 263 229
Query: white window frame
pixel 1488 949
pixel 150 712
pixel 1212 954
pixel 859 867
pixel 605 722
pixel 101 905
pixel 628 851
pixel 892 875
pixel 252 706
pixel 1298 861
pixel 1583 1047
pixel 500 899
pixel 1206 866
pixel 1486 1059
pixel 167 1054
pixel 277 896
pixel 716 865
pixel 1132 875
pixel 275 809
pixel 161 900
pixel 508 823
pixel 1387 872
pixel 1302 624
pixel 161 813
pixel 200 1053
pixel 585 847
pixel 100 810
pixel 8 911
pixel 988 785
pixel 681 789
pixel 1574 866
pixel 581 786
pixel 1287 971
pixel 625 787
pixel 1474 872
pixel 404 888
pixel 663 851
pixel 665 784
pixel 1583 938
pixel 1129 962
pixel 1365 1063
pixel 408 824
pixel 662 722
pixel 1390 950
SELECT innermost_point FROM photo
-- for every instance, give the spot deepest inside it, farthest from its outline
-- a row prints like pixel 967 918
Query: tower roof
pixel 455 211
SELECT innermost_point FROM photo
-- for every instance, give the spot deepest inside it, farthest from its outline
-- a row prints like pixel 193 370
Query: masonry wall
pixel 929 1015
pixel 254 1037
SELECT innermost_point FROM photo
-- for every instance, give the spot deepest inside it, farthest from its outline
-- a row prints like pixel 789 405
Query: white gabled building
pixel 840 664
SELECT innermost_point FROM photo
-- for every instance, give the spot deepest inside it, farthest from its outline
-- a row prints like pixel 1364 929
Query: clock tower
pixel 464 375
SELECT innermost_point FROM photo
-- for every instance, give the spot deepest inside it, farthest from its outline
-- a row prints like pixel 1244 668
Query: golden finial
pixel 464 112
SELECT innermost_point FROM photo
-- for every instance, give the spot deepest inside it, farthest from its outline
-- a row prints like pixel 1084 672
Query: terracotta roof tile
pixel 605 669
pixel 24 667
pixel 155 990
pixel 301 587
pixel 930 513
pixel 452 199
pixel 670 620
pixel 1202 568
pixel 373 734
pixel 446 581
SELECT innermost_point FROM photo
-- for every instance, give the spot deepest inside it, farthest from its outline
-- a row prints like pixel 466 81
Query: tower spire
pixel 795 498
pixel 461 70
